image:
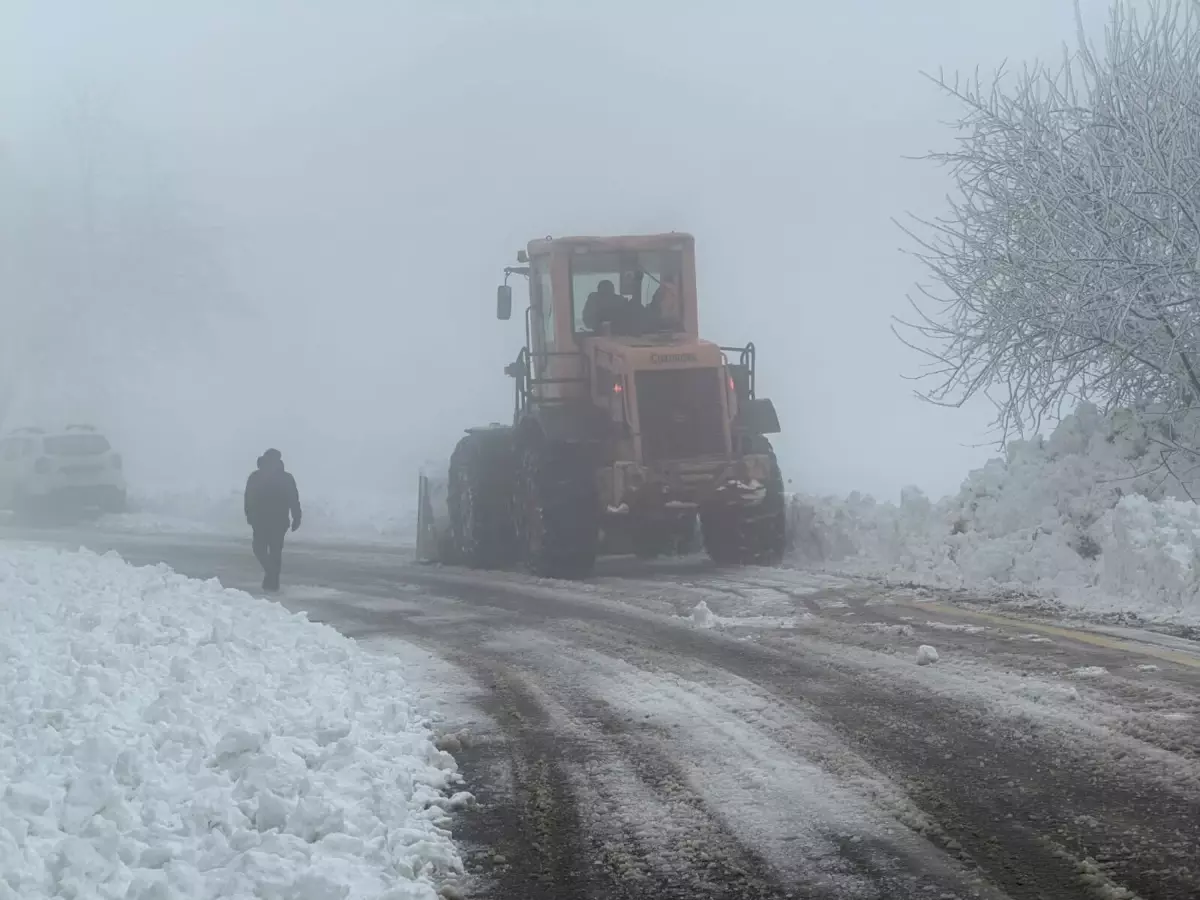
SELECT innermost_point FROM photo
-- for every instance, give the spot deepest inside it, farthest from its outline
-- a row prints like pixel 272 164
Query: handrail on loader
pixel 744 370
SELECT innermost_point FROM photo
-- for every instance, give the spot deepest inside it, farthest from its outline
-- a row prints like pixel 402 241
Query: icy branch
pixel 1066 265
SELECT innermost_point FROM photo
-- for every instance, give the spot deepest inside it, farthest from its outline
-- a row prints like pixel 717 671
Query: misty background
pixel 226 226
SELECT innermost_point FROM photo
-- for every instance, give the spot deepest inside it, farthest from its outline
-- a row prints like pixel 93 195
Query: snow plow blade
pixel 433 521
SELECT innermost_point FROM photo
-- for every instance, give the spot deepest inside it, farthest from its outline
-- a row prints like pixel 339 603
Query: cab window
pixel 646 284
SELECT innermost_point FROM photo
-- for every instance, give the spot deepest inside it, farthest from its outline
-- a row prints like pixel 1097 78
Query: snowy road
pixel 674 731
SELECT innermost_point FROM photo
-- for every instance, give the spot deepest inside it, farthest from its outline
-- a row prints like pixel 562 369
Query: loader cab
pixel 641 286
pixel 626 293
pixel 592 300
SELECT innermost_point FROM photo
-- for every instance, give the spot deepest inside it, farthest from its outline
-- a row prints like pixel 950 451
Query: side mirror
pixel 504 302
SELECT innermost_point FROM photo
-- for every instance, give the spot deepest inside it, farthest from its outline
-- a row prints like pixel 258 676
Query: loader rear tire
pixel 556 510
pixel 749 535
pixel 479 500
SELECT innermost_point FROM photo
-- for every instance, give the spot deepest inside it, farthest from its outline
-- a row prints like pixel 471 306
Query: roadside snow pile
pixel 1086 515
pixel 163 737
pixel 362 517
pixel 1153 552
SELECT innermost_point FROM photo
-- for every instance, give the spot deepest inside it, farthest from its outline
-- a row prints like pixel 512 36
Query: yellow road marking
pixel 1074 634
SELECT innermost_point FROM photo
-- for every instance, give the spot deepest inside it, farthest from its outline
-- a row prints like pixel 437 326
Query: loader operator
pixel 271 498
pixel 606 307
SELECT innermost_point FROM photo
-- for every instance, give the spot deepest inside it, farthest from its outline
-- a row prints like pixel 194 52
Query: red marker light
pixel 618 388
pixel 732 387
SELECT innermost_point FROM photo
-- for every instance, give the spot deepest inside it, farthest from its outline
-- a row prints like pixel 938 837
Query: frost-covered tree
pixel 1067 265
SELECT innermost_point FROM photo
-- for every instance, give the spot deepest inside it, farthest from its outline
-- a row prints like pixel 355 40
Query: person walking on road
pixel 272 505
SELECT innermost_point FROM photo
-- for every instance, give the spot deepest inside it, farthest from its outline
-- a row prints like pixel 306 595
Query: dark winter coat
pixel 611 309
pixel 271 496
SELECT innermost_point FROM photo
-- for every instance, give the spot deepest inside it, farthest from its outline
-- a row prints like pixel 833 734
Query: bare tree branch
pixel 1066 264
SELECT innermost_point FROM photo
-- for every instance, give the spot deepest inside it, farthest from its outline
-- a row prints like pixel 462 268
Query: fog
pixel 228 226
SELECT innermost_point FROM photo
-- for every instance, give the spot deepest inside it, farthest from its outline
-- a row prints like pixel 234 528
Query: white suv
pixel 59 471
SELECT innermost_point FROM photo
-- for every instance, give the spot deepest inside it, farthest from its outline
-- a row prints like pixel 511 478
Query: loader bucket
pixel 433 520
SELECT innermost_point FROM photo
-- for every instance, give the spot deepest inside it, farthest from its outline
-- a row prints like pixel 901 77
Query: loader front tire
pixel 556 509
pixel 749 535
pixel 479 500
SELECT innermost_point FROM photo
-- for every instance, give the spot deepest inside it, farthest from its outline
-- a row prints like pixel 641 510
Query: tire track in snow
pixel 814 811
pixel 960 766
pixel 630 793
pixel 565 826
pixel 647 829
pixel 538 834
pixel 1009 771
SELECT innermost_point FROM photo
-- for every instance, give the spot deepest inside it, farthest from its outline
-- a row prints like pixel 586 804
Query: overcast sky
pixel 360 172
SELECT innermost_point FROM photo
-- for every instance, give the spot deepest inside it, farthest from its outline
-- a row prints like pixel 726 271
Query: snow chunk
pixel 164 737
pixel 926 655
pixel 1051 694
pixel 703 616
pixel 1089 672
pixel 957 627
pixel 889 628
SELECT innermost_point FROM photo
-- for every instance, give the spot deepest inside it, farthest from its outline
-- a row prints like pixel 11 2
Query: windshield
pixel 76 445
pixel 633 293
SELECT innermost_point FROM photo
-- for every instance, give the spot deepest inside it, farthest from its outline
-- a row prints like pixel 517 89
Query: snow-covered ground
pixel 1088 516
pixel 165 737
pixel 361 517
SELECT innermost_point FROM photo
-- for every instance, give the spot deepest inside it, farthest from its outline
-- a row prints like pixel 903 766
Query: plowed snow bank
pixel 163 737
pixel 1088 515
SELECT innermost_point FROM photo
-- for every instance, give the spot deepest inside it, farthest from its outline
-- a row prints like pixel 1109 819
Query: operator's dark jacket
pixel 611 309
pixel 271 497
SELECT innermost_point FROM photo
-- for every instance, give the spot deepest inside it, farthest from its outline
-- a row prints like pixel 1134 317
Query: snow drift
pixel 164 737
pixel 1089 515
